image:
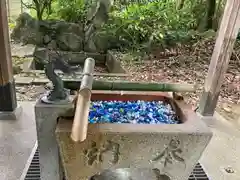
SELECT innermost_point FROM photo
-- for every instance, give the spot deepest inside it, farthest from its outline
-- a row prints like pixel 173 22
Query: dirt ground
pixel 183 65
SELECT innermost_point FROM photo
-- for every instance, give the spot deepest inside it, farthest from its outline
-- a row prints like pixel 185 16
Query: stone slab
pixel 73 57
pixel 39 81
pixel 78 74
pixel 222 153
pixel 23 80
pixel 22 51
pixel 17 138
pixel 28 64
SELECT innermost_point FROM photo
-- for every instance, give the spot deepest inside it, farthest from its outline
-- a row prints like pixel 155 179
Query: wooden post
pixel 8 8
pixel 227 35
pixel 8 100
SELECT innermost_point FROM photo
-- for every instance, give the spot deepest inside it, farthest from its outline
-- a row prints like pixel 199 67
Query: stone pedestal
pixel 170 150
pixel 46 120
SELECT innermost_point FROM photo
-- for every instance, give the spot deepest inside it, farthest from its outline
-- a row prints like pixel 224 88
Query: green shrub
pixel 141 23
pixel 71 10
pixel 151 22
pixel 68 10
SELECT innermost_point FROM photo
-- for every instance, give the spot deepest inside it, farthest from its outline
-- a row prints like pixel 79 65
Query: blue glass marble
pixel 135 112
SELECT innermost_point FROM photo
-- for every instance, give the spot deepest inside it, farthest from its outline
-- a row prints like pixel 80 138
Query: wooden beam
pixel 7 87
pixel 226 38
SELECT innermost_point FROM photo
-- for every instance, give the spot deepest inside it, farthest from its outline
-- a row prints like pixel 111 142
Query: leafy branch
pixel 40 6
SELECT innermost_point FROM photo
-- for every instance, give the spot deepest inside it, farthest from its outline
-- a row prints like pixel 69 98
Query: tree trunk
pixel 181 4
pixel 211 6
pixel 39 15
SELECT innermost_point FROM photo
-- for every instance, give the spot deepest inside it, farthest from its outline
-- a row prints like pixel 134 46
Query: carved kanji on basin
pixel 171 153
pixel 95 153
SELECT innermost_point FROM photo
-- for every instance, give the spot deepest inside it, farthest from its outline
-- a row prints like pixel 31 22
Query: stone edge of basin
pixel 191 122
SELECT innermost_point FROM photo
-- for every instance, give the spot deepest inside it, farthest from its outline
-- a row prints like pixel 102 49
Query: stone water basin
pixel 170 149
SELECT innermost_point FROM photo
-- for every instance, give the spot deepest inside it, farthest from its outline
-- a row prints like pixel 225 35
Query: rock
pixel 25 30
pixel 226 108
pixel 67 27
pixel 53 45
pixel 97 43
pixel 47 39
pixel 97 16
pixel 69 42
pixel 67 36
pixel 90 46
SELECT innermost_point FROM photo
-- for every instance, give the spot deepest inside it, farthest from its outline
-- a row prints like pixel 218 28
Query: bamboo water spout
pixel 136 86
pixel 80 123
pixel 142 86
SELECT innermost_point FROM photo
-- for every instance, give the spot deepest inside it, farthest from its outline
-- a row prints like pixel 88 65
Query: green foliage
pixel 68 10
pixel 71 10
pixel 11 24
pixel 150 22
pixel 142 23
pixel 39 7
